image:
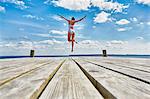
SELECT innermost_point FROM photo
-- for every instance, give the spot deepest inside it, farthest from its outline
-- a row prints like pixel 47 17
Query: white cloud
pixel 46 42
pixel 85 47
pixel 25 44
pixel 18 45
pixel 79 35
pixel 117 42
pixel 85 4
pixel 2 9
pixel 56 18
pixel 129 48
pixel 51 42
pixel 88 42
pixel 64 24
pixel 102 17
pixel 21 29
pixel 115 45
pixel 57 41
pixel 124 29
pixel 93 27
pixel 141 23
pixel 29 24
pixel 104 5
pixel 72 4
pixel 134 19
pixel 121 29
pixel 139 38
pixel 146 2
pixel 58 32
pixel 48 35
pixel 9 44
pixel 30 45
pixel 148 23
pixel 122 22
pixel 42 35
pixel 25 37
pixel 19 3
pixel 33 17
pixel 79 26
pixel 59 37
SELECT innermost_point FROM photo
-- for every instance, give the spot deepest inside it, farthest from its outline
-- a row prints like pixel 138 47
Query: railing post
pixel 31 53
pixel 104 53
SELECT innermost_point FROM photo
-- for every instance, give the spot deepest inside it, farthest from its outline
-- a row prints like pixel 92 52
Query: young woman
pixel 71 32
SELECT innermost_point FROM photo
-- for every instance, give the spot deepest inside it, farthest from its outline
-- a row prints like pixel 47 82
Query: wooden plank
pixel 143 75
pixel 13 63
pixel 137 61
pixel 129 65
pixel 31 84
pixel 6 64
pixel 70 83
pixel 142 64
pixel 11 73
pixel 122 87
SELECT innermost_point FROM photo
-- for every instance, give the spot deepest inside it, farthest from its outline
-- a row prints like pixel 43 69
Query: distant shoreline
pixel 80 55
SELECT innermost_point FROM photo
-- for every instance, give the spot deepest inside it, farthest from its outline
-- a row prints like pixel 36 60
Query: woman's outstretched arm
pixel 63 17
pixel 80 19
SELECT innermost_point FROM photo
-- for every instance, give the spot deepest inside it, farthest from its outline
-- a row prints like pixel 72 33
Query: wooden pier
pixel 75 78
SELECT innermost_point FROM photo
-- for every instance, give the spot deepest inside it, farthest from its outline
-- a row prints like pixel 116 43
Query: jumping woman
pixel 71 32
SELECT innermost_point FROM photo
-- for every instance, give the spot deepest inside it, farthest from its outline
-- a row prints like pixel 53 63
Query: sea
pixel 82 55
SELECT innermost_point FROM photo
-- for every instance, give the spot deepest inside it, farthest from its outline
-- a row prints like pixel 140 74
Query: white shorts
pixel 71 31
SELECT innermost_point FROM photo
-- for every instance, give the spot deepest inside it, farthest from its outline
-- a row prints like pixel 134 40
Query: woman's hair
pixel 72 18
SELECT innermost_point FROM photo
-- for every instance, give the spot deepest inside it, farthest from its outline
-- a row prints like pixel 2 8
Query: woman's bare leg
pixel 69 36
pixel 73 36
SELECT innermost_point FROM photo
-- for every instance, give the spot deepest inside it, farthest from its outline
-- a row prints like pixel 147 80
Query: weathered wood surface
pixel 121 86
pixel 11 71
pixel 70 83
pixel 139 63
pixel 137 70
pixel 29 83
pixel 27 78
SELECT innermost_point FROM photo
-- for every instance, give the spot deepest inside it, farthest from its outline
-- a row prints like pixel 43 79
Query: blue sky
pixel 120 26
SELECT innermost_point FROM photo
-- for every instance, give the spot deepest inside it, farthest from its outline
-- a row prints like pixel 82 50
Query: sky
pixel 119 26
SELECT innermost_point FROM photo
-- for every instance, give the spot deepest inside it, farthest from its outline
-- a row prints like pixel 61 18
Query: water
pixel 80 55
pixel 132 56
